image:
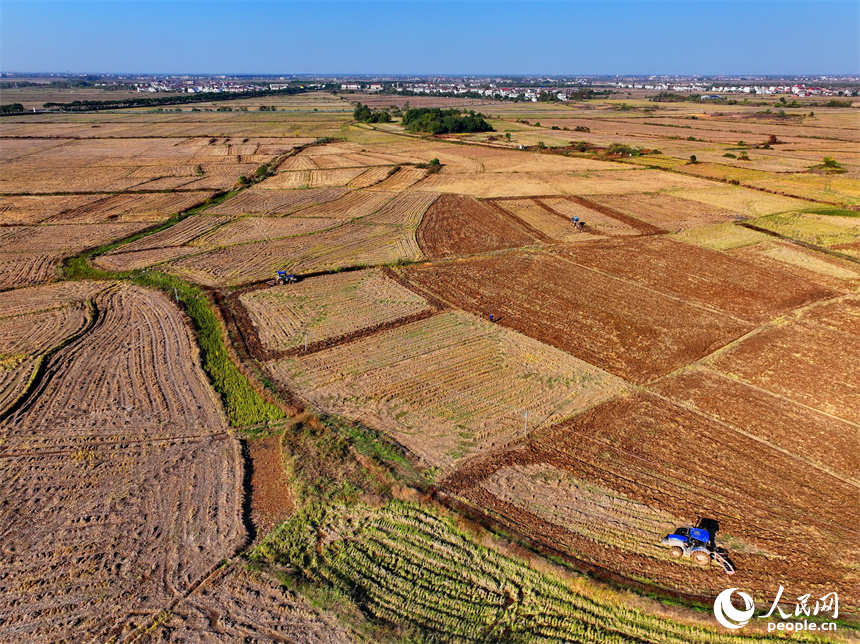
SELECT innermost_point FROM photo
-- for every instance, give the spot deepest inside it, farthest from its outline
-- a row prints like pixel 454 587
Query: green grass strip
pixel 244 406
pixel 78 267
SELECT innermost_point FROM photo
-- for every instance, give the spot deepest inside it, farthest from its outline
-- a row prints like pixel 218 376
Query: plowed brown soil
pixel 716 280
pixel 789 360
pixel 460 225
pixel 271 501
pixel 625 328
pixel 782 522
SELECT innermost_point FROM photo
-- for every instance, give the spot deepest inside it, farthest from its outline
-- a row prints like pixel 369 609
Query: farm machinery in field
pixel 698 545
pixel 282 278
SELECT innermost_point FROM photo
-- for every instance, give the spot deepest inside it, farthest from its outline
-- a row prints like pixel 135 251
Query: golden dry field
pixel 460 381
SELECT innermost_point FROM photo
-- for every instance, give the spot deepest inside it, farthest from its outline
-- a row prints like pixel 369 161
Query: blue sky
pixel 441 37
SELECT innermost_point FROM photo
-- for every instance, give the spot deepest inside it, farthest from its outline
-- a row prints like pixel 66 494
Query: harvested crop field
pixel 137 259
pixel 22 269
pixel 237 605
pixel 176 235
pixel 257 201
pixel 401 179
pixel 714 280
pixel 48 296
pixel 100 536
pixel 335 177
pixel 667 461
pixel 371 177
pixel 115 379
pixel 612 323
pixel 460 225
pixel 535 213
pixel 24 339
pixel 138 207
pixel 666 211
pixel 329 307
pixel 59 238
pixel 788 359
pixel 123 490
pixel 251 229
pixel 447 386
pixel 406 209
pixel 351 205
pixel 599 219
pixel 19 209
pixel 352 244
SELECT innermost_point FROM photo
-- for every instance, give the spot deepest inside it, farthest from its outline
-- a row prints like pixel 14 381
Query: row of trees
pixel 11 108
pixel 438 121
pixel 160 101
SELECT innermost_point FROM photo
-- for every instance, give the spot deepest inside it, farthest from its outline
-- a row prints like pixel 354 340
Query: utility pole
pixel 526 426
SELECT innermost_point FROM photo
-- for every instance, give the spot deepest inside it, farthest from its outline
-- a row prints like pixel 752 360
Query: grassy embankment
pixel 242 404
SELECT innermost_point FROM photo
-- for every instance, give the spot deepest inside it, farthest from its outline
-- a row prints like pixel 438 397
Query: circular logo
pixel 728 615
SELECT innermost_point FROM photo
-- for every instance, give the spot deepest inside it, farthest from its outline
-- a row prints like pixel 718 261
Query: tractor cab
pixel 697 544
pixel 284 278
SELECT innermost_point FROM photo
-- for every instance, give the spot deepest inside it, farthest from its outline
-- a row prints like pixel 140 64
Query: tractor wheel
pixel 676 552
pixel 702 558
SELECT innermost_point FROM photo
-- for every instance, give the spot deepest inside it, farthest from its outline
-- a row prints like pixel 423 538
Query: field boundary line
pixel 716 353
pixel 820 249
pixel 37 380
pixel 694 409
pixel 782 397
pixel 694 303
pixel 511 218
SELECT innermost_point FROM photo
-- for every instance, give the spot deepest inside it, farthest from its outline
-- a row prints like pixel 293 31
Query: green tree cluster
pixel 363 114
pixel 438 121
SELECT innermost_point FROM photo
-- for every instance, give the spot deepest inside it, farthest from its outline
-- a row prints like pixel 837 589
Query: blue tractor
pixel 697 544
pixel 284 278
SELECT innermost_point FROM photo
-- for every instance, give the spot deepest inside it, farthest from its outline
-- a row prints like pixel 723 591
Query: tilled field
pixel 548 221
pixel 789 359
pixel 458 225
pixel 599 219
pixel 666 211
pixel 803 264
pixel 615 324
pixel 715 280
pixel 446 386
pixel 816 439
pixel 774 514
